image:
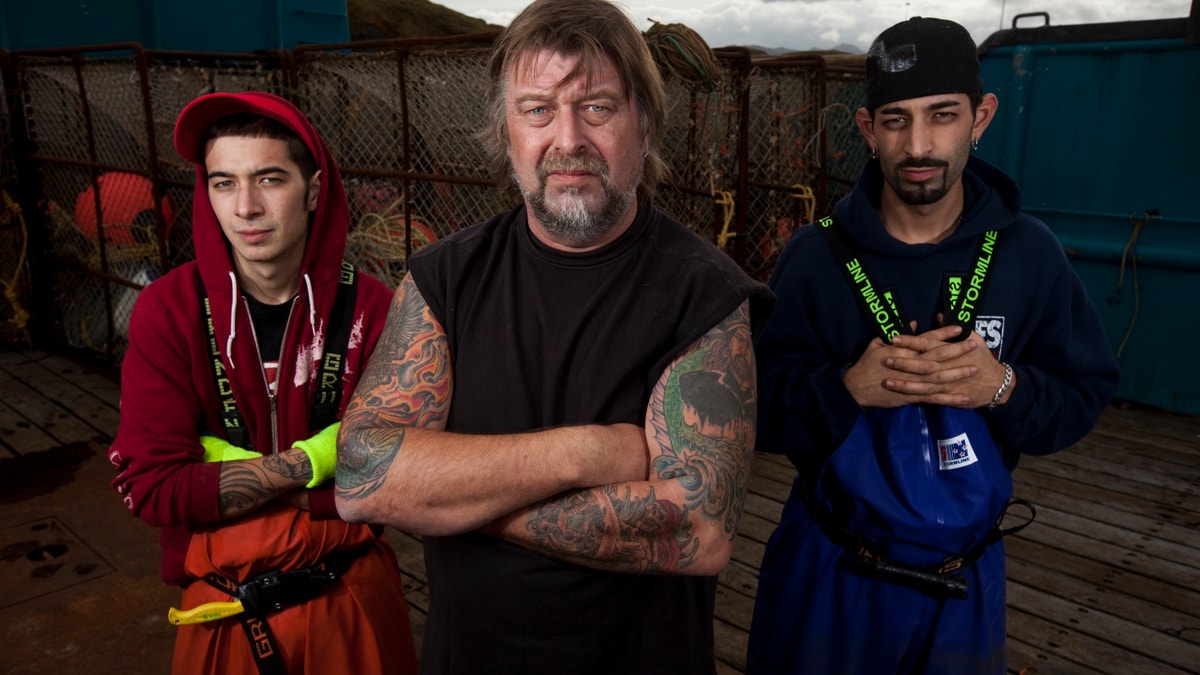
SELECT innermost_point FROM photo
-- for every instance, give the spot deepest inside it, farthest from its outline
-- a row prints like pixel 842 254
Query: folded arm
pixel 398 466
pixel 248 484
pixel 700 426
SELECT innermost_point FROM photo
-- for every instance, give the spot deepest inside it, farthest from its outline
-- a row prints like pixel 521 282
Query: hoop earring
pixel 874 153
pixel 974 143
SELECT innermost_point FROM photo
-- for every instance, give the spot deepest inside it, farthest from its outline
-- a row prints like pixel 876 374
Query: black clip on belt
pixel 935 584
pixel 273 591
pixel 939 583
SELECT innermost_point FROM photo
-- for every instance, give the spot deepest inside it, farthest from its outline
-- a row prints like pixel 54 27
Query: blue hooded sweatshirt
pixel 1035 315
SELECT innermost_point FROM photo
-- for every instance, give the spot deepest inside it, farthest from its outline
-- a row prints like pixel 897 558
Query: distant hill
pixel 382 19
pixel 771 51
pixel 844 48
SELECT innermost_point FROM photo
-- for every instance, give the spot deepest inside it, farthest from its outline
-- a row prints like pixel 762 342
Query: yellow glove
pixel 221 450
pixel 322 453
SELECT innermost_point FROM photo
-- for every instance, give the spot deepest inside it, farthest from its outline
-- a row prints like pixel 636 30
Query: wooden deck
pixel 1107 580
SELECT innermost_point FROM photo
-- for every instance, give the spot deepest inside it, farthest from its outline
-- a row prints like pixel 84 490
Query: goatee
pixel 567 216
pixel 923 194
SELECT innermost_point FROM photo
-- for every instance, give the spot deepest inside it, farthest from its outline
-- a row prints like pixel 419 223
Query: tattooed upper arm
pixel 407 383
pixel 701 418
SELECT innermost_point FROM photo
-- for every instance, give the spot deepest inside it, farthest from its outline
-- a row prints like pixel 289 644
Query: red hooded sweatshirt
pixel 168 391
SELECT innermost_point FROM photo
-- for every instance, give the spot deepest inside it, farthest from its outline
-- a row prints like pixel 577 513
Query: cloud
pixel 821 24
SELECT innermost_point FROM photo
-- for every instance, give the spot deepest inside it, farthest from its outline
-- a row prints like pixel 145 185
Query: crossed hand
pixel 926 368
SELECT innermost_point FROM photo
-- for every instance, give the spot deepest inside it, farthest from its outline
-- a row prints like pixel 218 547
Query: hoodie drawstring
pixel 312 305
pixel 232 320
pixel 312 314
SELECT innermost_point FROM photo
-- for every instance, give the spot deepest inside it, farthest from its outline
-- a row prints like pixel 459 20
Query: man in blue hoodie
pixel 925 335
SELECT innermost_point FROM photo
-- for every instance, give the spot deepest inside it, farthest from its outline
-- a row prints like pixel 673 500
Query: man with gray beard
pixel 525 409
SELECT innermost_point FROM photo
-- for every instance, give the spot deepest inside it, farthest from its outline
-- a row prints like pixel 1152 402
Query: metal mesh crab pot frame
pixel 105 202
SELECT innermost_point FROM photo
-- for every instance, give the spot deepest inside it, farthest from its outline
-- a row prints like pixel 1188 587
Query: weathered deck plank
pixel 59 423
pixel 1129 512
pixel 48 406
pixel 1108 598
pixel 20 437
pixel 1115 644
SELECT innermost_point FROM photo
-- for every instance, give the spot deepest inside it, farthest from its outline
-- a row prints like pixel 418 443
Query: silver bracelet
pixel 1008 375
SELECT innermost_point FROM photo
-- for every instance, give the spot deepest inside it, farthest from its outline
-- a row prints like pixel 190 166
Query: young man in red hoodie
pixel 238 368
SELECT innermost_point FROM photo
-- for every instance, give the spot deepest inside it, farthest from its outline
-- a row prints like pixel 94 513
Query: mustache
pixel 923 163
pixel 586 163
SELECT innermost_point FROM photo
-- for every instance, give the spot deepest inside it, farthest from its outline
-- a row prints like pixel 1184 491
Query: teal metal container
pixel 1098 125
pixel 215 26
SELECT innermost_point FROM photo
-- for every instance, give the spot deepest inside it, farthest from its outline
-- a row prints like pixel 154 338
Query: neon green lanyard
pixel 963 293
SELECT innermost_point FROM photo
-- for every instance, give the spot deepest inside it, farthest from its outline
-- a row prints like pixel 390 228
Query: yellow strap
pixel 209 611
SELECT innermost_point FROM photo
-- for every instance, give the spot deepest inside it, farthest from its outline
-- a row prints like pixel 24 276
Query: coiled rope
pixel 12 290
pixel 681 52
pixel 376 243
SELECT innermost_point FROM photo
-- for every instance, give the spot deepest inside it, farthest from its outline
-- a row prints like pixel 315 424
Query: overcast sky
pixel 822 24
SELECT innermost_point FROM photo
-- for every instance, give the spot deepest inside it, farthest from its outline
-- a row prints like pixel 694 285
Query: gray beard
pixel 574 223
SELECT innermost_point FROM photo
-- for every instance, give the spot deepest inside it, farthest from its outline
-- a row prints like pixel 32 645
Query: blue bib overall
pixel 908 489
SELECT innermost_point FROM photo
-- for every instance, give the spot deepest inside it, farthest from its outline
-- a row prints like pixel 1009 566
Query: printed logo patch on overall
pixel 955 453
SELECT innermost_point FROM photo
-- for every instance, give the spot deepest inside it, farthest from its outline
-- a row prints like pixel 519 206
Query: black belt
pixel 939 581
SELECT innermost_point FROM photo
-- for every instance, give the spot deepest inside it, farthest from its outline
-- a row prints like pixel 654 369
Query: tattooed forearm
pixel 612 525
pixel 363 460
pixel 406 384
pixel 247 485
pixel 568 526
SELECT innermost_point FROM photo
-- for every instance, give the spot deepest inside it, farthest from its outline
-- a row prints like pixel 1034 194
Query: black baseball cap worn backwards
pixel 921 57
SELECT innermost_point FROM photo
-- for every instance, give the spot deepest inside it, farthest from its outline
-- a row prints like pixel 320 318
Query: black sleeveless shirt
pixel 542 338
